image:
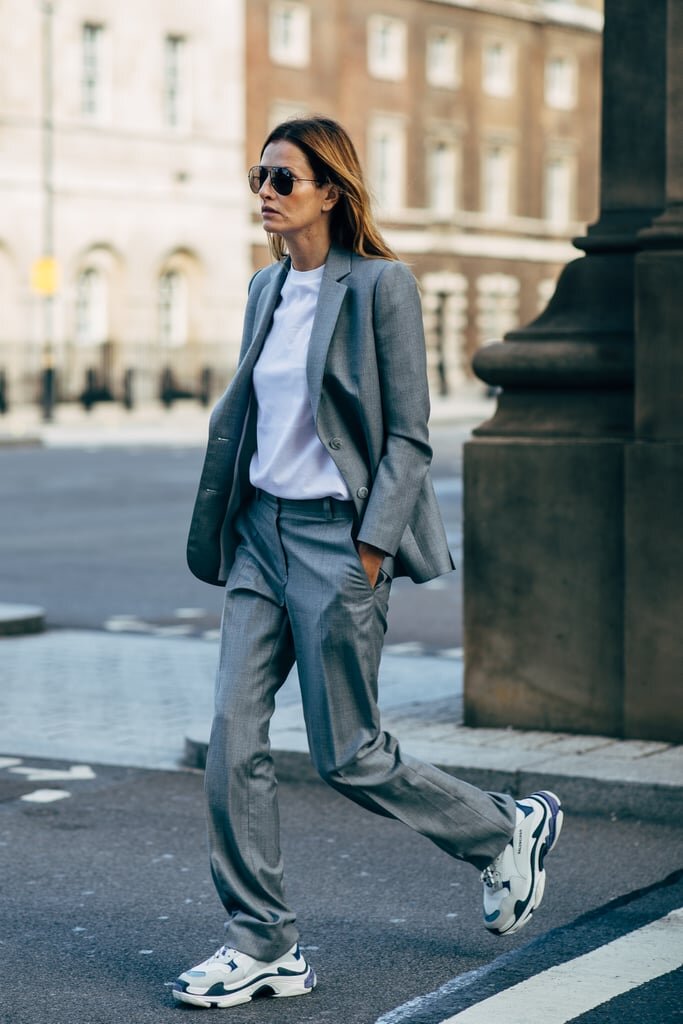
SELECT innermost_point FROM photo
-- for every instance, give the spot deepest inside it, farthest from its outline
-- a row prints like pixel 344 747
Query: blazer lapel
pixel 229 414
pixel 331 296
pixel 267 301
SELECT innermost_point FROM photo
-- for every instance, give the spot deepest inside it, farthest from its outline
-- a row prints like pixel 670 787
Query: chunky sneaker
pixel 229 977
pixel 515 880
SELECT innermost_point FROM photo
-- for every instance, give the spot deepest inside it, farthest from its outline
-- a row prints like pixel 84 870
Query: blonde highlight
pixel 333 159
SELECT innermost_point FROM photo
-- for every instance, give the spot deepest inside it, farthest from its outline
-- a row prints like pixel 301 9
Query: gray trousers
pixel 298 591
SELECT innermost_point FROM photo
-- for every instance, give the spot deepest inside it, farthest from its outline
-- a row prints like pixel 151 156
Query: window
pixel 93 92
pixel 498 69
pixel 290 34
pixel 497 181
pixel 443 166
pixel 176 82
pixel 560 82
pixel 387 150
pixel 92 314
pixel 173 309
pixel 443 58
pixel 497 306
pixel 386 48
pixel 559 190
pixel 444 304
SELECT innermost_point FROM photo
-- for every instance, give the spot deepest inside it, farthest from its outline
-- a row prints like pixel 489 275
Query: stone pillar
pixel 654 462
pixel 544 478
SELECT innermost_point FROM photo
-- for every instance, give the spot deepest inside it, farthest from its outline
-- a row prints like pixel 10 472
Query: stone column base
pixel 653 707
pixel 544 585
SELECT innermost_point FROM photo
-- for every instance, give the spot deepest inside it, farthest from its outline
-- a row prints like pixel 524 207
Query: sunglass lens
pixel 257 175
pixel 282 180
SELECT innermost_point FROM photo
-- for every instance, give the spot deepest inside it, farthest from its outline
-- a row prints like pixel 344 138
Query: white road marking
pixel 8 762
pixel 45 796
pixel 405 649
pixel 190 613
pixel 75 772
pixel 564 992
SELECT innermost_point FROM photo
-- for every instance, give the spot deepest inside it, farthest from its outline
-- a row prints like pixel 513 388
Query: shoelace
pixel 224 953
pixel 490 877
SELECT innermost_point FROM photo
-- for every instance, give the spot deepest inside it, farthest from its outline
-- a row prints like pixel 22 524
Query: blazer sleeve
pixel 404 394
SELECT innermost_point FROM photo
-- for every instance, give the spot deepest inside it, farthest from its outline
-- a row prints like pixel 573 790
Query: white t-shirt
pixel 290 461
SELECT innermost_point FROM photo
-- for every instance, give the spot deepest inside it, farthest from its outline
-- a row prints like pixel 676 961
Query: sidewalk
pixel 145 701
pixel 185 423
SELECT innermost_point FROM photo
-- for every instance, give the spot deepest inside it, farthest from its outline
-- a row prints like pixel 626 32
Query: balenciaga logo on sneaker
pixel 519 841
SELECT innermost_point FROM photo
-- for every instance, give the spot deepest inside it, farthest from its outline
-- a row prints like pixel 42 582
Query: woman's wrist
pixel 371 560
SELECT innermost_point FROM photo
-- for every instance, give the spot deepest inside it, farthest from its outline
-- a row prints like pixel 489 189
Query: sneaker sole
pixel 550 828
pixel 275 986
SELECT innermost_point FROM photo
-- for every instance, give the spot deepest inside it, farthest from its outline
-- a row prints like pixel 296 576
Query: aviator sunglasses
pixel 281 178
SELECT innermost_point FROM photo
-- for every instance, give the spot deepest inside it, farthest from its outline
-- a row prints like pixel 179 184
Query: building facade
pixel 121 175
pixel 477 122
pixel 126 132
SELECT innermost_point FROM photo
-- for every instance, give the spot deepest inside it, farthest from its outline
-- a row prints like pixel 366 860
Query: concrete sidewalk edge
pixel 583 795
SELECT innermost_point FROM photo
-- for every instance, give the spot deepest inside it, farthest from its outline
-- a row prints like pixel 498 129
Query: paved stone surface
pixel 135 700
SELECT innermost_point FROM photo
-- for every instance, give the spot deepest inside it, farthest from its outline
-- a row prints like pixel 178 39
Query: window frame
pixel 489 178
pixel 560 95
pixel 94 81
pixel 392 64
pixel 445 211
pixel 176 102
pixel 91 326
pixel 295 52
pixel 172 287
pixel 433 75
pixel 499 81
pixel 390 192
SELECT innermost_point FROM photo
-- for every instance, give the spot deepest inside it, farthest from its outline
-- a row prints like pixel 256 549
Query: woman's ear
pixel 331 196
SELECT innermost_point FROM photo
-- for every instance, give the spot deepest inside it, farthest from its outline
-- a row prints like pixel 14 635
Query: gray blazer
pixel 368 386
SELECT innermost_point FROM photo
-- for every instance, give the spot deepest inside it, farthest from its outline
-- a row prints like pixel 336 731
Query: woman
pixel 315 492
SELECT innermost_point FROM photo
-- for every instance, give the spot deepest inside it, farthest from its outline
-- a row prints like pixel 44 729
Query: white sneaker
pixel 229 977
pixel 515 881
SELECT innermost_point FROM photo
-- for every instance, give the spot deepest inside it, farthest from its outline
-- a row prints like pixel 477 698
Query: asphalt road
pixel 107 894
pixel 107 897
pixel 90 534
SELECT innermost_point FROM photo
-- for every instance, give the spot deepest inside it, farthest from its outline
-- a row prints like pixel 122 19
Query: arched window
pixel 92 314
pixel 173 309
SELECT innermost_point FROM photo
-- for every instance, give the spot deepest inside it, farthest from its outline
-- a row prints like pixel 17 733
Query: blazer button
pixel 336 443
pixel 362 492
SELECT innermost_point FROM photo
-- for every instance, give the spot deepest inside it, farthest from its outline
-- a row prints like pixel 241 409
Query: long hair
pixel 334 160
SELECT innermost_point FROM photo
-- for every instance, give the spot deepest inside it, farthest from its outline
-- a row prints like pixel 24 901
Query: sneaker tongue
pixel 225 952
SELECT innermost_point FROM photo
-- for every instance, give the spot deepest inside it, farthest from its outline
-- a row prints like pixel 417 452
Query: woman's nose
pixel 266 189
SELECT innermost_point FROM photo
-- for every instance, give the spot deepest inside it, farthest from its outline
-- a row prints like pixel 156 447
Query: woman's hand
pixel 371 560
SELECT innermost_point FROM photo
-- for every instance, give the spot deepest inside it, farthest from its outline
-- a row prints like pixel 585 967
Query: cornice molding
pixel 541 12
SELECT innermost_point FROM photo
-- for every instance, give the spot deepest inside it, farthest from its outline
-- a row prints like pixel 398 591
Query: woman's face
pixel 303 213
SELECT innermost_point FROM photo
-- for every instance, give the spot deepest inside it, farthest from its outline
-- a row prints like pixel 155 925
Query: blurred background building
pixel 477 122
pixel 122 158
pixel 127 231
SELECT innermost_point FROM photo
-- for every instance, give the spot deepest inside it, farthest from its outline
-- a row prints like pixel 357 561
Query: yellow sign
pixel 45 275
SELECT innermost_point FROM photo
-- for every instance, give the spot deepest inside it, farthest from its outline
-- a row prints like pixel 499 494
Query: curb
pixel 21 619
pixel 20 441
pixel 587 796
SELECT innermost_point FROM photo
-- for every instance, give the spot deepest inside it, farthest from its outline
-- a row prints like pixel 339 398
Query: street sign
pixel 45 275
